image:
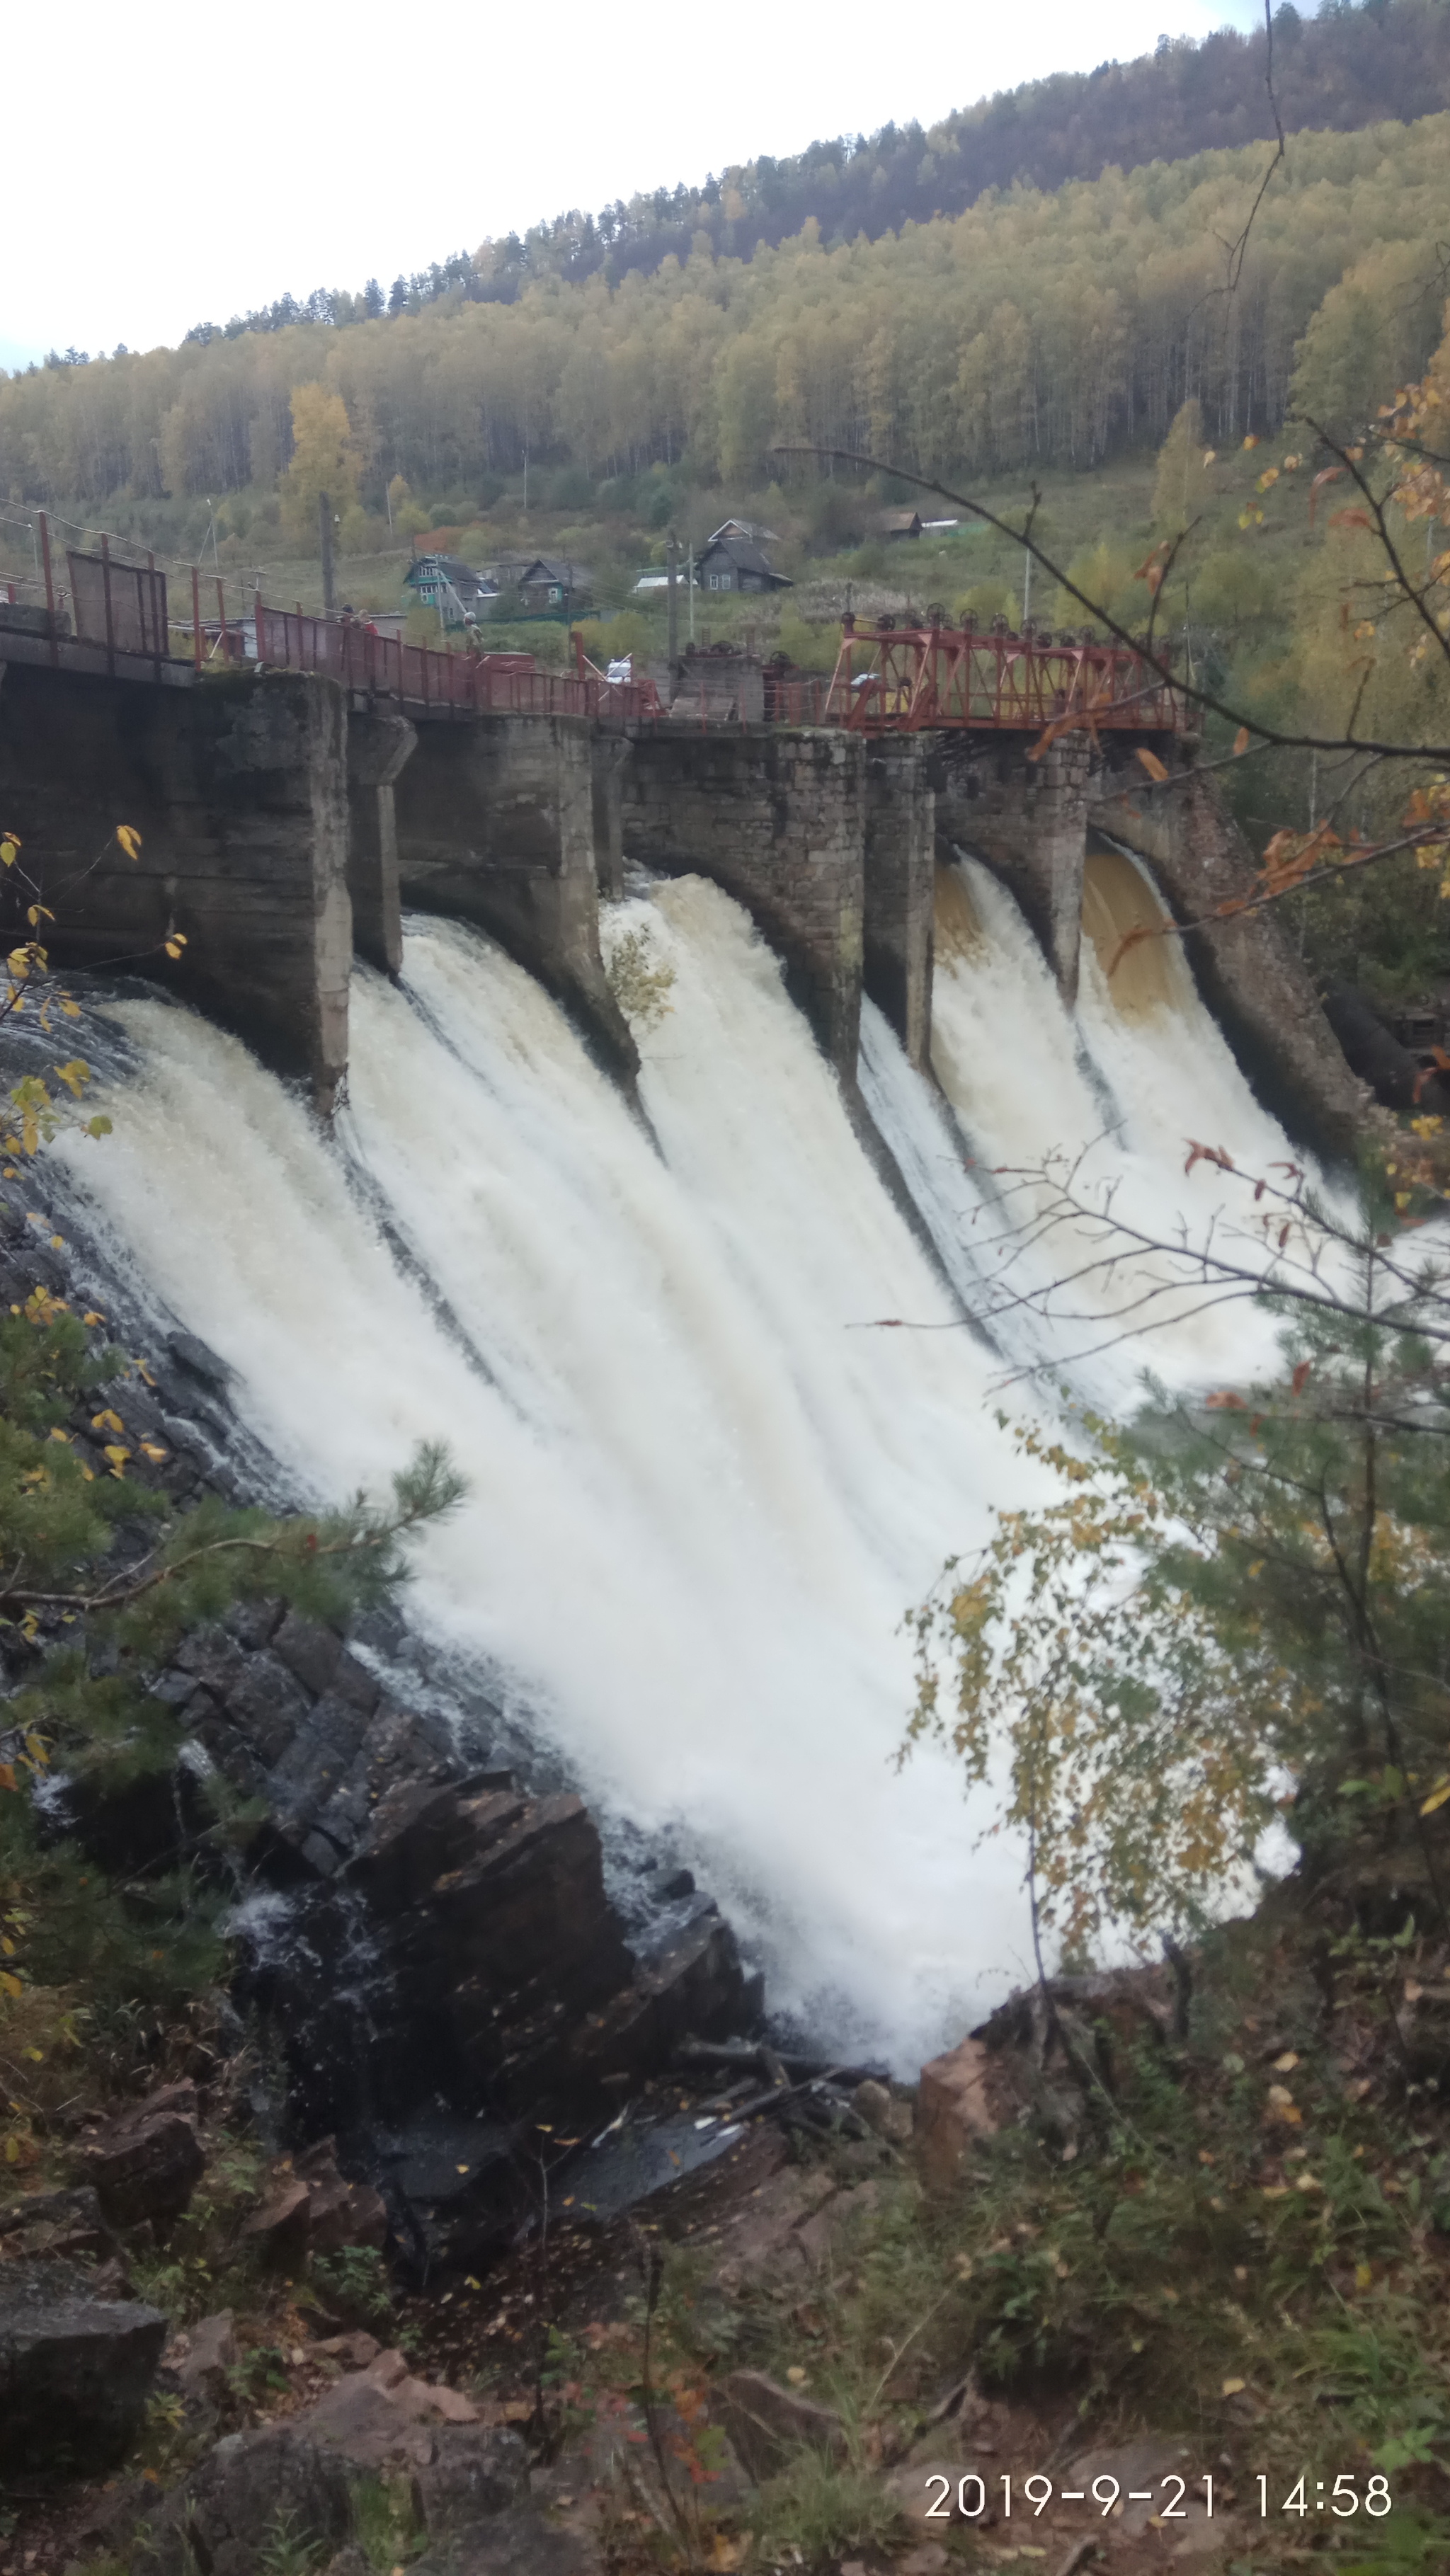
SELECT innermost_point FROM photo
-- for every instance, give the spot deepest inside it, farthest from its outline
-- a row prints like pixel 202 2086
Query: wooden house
pixel 457 590
pixel 736 563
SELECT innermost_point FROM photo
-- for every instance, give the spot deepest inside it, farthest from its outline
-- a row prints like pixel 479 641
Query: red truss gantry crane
pixel 935 678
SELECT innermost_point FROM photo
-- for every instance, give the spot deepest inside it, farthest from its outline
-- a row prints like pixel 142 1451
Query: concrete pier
pixel 378 747
pixel 237 786
pixel 899 880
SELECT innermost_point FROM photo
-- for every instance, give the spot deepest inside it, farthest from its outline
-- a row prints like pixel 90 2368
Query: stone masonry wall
pixel 236 786
pixel 899 883
pixel 779 820
pixel 495 824
pixel 1247 971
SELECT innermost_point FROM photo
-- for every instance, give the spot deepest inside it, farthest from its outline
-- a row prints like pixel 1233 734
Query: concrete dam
pixel 629 1269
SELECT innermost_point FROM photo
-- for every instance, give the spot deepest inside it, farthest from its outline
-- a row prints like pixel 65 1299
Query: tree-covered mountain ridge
pixel 1034 329
pixel 1338 72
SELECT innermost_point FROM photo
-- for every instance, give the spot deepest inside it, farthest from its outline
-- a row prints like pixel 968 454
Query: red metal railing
pixel 437 684
pixel 891 679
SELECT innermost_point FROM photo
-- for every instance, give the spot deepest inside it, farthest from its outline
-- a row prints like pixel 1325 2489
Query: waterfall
pixel 704 1484
pixel 1140 1071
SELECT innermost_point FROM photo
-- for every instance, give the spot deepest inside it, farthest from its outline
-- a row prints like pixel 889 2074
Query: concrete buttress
pixel 237 786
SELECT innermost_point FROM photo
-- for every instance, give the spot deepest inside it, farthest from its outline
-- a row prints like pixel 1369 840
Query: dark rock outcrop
pixel 475 2471
pixel 247 2492
pixel 1394 1074
pixel 56 2222
pixel 767 2423
pixel 75 2370
pixel 147 2163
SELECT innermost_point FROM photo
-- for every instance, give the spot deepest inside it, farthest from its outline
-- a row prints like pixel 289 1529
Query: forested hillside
pixel 1338 72
pixel 1032 329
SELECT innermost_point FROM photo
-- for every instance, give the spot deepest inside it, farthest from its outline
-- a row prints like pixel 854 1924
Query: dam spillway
pixel 705 1486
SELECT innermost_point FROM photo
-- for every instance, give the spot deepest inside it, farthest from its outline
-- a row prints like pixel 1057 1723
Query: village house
pixel 736 563
pixel 895 524
pixel 457 590
pixel 549 589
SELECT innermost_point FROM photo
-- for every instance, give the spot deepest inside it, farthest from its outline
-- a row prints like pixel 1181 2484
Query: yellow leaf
pixel 12 1987
pixel 118 1457
pixel 1151 762
pixel 1233 2387
pixel 7 1777
pixel 1363 2275
pixel 57 1434
pixel 93 1317
pixel 1241 742
pixel 149 1449
pixel 1437 1796
pixel 173 948
pixel 1251 440
pixel 1286 2064
pixel 1209 454
pixel 130 839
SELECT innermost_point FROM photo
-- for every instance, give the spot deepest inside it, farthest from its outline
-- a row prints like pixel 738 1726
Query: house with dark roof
pixel 547 588
pixel 736 563
pixel 459 592
pixel 894 524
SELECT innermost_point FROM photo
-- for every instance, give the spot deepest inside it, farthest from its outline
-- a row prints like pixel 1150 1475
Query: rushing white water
pixel 704 1484
pixel 703 1489
pixel 1129 1091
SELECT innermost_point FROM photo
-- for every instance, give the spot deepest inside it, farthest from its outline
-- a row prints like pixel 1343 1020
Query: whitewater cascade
pixel 704 1488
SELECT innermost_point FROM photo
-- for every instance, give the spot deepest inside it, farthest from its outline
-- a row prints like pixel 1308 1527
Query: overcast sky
pixel 186 163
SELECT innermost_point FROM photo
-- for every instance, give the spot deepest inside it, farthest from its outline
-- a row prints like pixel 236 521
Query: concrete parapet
pixel 495 825
pixel 900 873
pixel 779 820
pixel 1246 970
pixel 1028 819
pixel 237 787
pixel 377 748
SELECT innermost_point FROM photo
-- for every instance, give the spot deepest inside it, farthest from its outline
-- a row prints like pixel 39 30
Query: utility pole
pixel 324 525
pixel 672 607
pixel 690 576
pixel 1026 584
